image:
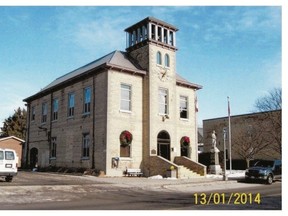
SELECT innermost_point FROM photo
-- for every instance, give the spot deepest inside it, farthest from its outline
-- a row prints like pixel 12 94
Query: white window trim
pixel 84 100
pixel 163 114
pixel 68 103
pixel 130 100
pixel 161 59
pixel 187 109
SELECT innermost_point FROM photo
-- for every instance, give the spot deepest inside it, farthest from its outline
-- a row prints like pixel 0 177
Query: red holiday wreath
pixel 125 138
pixel 185 141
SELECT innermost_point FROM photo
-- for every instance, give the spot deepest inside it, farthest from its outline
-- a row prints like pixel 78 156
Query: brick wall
pixel 14 144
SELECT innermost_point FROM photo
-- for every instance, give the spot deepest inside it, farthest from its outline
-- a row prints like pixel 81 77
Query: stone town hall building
pixel 124 110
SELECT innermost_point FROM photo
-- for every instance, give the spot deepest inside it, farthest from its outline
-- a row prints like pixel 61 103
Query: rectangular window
pixel 125 151
pixel 85 146
pixel 55 109
pixel 71 104
pixel 183 107
pixel 125 103
pixel 163 101
pixel 87 100
pixel 53 147
pixel 44 112
pixel 33 113
pixel 1 155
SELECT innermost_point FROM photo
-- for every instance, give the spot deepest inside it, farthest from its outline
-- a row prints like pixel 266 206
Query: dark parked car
pixel 265 170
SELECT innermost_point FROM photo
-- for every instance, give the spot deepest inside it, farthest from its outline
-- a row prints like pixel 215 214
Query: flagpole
pixel 229 126
pixel 196 127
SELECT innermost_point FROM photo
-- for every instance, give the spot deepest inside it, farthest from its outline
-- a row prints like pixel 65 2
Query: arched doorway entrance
pixel 163 145
pixel 33 157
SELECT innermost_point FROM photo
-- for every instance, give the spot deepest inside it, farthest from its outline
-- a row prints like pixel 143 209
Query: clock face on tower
pixel 163 74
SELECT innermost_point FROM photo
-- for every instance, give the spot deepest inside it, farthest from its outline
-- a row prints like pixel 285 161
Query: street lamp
pixel 225 178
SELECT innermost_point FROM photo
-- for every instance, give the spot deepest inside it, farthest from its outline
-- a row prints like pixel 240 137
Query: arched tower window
pixel 159 58
pixel 167 60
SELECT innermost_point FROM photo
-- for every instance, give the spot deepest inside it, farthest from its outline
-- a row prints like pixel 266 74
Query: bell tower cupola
pixel 151 31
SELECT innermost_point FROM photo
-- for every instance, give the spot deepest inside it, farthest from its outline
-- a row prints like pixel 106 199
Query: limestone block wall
pixel 38 131
pixel 187 127
pixel 156 123
pixel 69 130
pixel 119 120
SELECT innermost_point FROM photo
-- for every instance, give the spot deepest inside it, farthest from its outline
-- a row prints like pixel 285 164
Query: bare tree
pixel 271 101
pixel 271 106
pixel 250 140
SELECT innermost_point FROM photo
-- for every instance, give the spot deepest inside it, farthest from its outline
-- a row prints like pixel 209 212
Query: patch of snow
pixel 233 174
pixel 171 178
pixel 155 177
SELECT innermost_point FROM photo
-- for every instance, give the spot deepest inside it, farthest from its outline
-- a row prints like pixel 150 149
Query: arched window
pixel 159 58
pixel 167 60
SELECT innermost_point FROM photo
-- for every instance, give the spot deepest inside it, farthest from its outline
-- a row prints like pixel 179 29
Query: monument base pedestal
pixel 215 169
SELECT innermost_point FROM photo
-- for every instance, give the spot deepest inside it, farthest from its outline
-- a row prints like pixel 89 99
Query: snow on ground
pixel 234 174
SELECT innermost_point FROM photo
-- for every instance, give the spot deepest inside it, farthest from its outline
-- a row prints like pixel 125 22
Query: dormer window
pixel 159 58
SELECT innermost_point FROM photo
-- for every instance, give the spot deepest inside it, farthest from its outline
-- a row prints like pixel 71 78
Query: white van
pixel 8 164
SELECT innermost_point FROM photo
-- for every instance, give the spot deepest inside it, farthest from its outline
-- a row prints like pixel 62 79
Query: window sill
pixel 125 159
pixel 184 119
pixel 125 111
pixel 86 114
pixel 70 117
pixel 53 158
pixel 85 158
pixel 163 114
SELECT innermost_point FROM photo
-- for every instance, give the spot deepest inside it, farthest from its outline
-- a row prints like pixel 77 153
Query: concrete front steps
pixel 185 173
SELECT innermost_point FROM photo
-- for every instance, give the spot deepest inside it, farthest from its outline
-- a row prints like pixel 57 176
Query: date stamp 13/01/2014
pixel 228 199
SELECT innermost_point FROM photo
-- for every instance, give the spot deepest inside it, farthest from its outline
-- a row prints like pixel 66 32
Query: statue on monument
pixel 214 167
pixel 214 142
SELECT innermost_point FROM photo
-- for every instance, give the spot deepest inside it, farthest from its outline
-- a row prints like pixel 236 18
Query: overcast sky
pixel 231 51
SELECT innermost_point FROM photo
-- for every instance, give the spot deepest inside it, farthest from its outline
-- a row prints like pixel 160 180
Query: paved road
pixel 44 191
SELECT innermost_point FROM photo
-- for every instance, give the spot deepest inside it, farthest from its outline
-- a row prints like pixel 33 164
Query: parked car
pixel 265 170
pixel 8 164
